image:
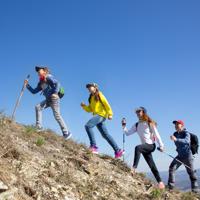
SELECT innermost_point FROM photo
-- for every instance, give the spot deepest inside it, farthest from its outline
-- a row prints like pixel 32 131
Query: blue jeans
pixel 54 103
pixel 99 122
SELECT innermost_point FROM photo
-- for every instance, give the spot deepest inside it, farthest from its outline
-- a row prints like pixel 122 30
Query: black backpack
pixel 194 143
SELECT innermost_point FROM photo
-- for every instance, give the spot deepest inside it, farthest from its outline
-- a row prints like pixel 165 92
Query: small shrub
pixel 40 141
pixel 156 193
pixel 29 130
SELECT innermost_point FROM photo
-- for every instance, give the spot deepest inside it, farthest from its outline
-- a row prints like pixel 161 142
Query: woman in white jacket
pixel 148 133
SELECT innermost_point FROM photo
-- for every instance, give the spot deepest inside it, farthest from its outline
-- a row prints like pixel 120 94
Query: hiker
pixel 50 88
pixel 99 106
pixel 148 133
pixel 182 140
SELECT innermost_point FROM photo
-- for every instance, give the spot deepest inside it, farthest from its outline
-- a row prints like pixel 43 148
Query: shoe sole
pixel 67 138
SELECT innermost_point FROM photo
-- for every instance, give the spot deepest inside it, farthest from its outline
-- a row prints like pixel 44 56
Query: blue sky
pixel 141 53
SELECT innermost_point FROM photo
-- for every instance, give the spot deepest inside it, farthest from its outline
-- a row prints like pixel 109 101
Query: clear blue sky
pixel 141 53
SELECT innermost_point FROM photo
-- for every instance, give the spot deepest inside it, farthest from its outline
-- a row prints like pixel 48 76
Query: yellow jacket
pixel 101 107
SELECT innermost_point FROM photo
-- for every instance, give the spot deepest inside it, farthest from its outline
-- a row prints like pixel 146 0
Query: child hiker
pixel 148 133
pixel 182 141
pixel 50 88
pixel 99 106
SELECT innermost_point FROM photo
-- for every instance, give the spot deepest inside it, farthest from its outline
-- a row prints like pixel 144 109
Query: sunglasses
pixel 138 111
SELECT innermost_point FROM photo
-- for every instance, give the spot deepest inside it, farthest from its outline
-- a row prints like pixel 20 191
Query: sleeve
pixel 55 85
pixel 106 105
pixel 157 135
pixel 185 140
pixel 130 131
pixel 34 91
pixel 87 108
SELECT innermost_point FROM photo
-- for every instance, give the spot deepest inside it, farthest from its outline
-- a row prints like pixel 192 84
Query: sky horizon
pixel 141 53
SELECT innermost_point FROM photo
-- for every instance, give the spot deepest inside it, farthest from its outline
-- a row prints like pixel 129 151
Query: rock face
pixel 43 166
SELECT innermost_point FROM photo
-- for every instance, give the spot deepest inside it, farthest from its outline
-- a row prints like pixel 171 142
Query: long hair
pixel 96 96
pixel 147 119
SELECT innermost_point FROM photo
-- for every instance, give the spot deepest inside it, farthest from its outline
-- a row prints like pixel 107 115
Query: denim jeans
pixel 99 122
pixel 54 103
pixel 190 170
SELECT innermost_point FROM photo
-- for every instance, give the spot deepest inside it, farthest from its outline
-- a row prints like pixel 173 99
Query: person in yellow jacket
pixel 99 106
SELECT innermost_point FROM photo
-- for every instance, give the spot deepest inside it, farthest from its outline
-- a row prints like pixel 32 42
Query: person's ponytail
pixel 147 119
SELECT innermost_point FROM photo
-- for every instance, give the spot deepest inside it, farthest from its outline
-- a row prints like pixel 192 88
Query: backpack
pixel 61 92
pixel 194 143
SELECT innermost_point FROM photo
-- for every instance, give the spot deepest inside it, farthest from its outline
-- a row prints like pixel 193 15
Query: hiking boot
pixel 67 135
pixel 39 129
pixel 196 190
pixel 94 149
pixel 170 187
pixel 119 153
pixel 161 185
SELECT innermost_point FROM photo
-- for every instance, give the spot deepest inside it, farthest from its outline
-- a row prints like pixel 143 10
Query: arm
pixel 157 135
pixel 86 108
pixel 34 91
pixel 185 140
pixel 106 104
pixel 131 131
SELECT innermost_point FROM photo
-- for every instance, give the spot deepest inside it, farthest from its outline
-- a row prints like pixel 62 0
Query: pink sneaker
pixel 94 149
pixel 161 185
pixel 119 153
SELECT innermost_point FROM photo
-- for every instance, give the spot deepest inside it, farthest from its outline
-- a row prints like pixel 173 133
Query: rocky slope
pixel 43 166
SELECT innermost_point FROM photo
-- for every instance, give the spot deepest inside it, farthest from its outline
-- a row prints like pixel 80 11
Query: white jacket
pixel 147 134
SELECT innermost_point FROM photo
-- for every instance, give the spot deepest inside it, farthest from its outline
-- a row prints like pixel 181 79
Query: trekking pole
pixel 176 159
pixel 19 99
pixel 123 125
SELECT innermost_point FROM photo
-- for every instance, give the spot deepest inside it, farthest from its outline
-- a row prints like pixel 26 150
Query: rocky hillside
pixel 43 166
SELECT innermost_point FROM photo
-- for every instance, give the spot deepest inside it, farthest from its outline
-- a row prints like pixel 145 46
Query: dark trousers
pixel 146 150
pixel 190 170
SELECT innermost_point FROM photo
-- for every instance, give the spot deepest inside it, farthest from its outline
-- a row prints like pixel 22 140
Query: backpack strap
pixel 136 125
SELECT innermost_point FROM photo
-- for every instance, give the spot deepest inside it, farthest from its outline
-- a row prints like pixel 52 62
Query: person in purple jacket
pixel 50 88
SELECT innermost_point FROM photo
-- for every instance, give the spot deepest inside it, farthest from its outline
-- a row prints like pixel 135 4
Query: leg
pixel 149 159
pixel 38 109
pixel 89 128
pixel 55 106
pixel 143 148
pixel 104 132
pixel 192 174
pixel 172 168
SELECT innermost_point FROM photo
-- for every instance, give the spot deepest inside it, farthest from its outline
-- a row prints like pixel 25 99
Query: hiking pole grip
pixel 124 122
